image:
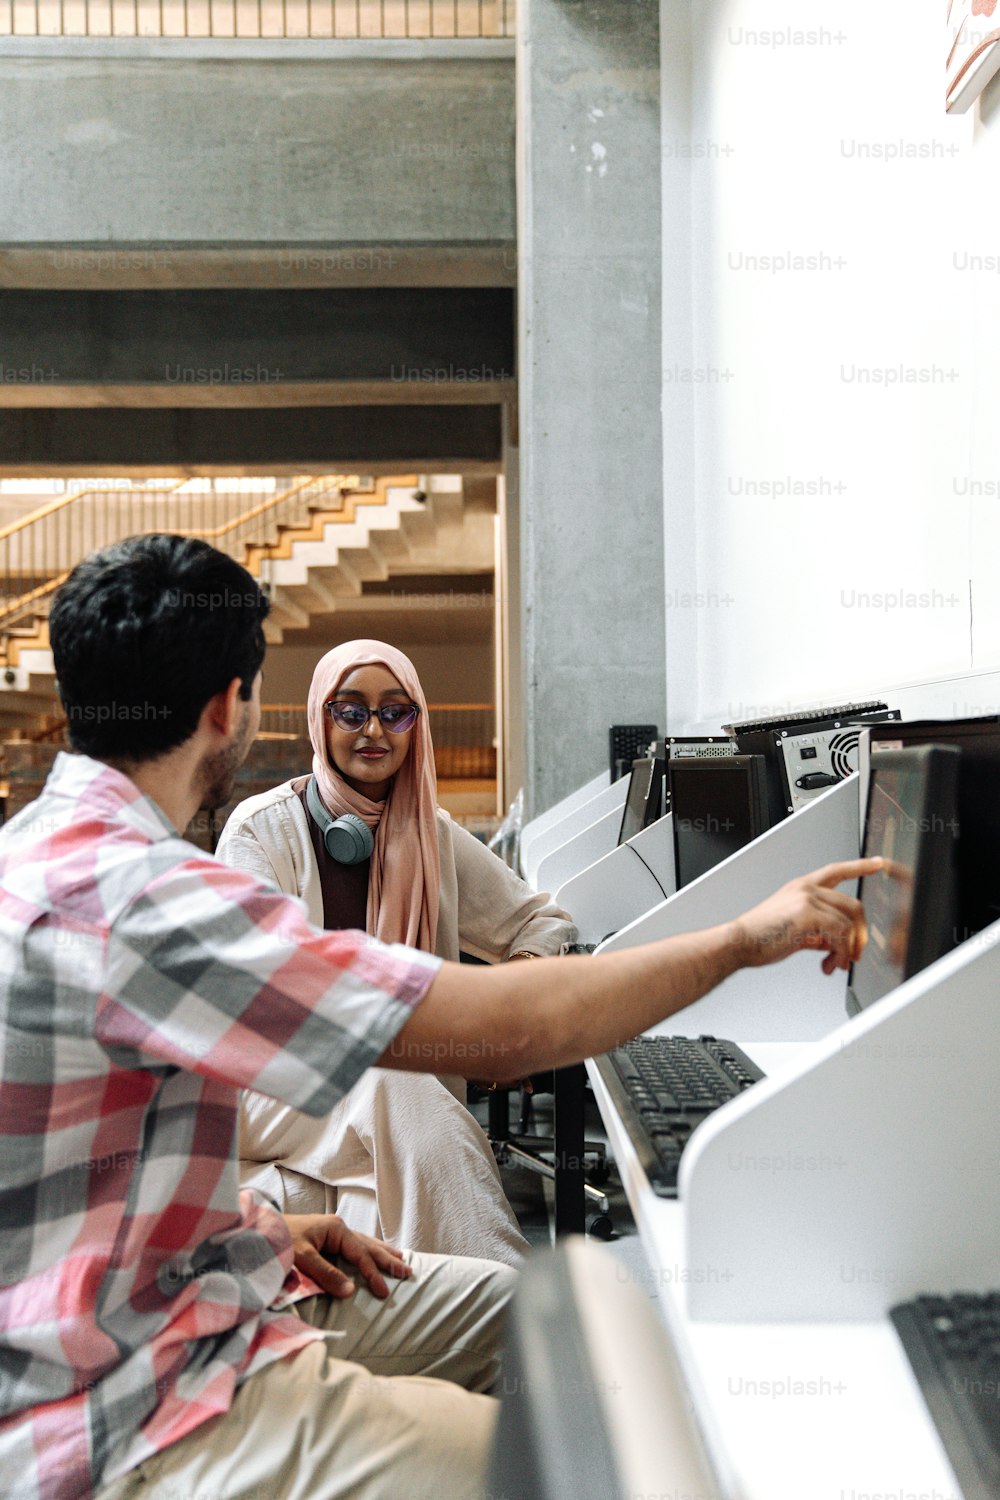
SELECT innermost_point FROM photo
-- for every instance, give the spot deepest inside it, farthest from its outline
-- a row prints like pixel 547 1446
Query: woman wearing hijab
pixel 364 844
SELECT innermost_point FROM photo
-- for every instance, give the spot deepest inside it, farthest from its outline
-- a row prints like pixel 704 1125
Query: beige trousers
pixel 399 1158
pixel 368 1413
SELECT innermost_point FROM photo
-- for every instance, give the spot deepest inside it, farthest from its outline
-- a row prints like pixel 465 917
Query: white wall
pixel 794 109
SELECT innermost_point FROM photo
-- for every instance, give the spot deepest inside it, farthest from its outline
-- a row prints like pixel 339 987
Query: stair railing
pixel 39 550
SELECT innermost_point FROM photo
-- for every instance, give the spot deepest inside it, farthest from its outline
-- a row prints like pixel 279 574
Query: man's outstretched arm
pixel 511 1020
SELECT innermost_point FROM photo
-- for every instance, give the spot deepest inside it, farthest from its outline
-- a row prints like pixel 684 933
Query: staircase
pixel 318 546
pixel 312 545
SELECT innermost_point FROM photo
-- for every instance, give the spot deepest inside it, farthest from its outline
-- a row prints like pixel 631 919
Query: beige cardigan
pixel 485 909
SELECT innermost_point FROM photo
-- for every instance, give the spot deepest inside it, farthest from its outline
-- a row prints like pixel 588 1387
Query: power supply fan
pixel 843 749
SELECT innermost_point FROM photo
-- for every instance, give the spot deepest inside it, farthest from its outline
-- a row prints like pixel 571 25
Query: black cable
pixel 666 894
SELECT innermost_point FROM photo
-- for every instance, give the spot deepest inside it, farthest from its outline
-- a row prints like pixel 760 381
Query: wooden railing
pixel 349 19
pixel 463 735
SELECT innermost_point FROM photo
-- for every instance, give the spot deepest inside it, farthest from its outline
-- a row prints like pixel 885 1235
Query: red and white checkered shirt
pixel 142 985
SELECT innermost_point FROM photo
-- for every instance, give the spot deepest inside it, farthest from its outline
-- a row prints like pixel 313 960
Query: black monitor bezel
pixel 934 877
pixel 752 769
pixel 978 853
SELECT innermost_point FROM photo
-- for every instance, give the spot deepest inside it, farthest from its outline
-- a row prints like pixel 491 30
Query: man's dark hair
pixel 143 634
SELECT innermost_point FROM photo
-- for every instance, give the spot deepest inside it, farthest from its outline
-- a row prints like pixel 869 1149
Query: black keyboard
pixel 663 1086
pixel 953 1344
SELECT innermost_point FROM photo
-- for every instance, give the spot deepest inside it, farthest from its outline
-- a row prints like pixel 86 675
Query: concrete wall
pixel 147 185
pixel 163 153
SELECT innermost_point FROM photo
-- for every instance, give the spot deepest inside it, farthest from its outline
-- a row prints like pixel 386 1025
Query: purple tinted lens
pixel 348 715
pixel 396 717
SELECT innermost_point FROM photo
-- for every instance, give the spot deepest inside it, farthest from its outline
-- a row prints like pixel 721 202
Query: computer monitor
pixel 912 821
pixel 644 799
pixel 718 805
pixel 978 854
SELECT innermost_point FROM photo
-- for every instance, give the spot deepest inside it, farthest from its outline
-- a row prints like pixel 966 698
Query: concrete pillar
pixel 678 23
pixel 589 238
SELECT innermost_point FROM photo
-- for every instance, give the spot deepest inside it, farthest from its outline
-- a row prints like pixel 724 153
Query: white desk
pixel 861 1173
pixel 788 1411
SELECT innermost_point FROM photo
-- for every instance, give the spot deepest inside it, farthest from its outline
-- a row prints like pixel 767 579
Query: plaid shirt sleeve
pixel 215 973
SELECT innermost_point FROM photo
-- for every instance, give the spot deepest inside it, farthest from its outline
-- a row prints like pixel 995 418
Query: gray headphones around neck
pixel 347 839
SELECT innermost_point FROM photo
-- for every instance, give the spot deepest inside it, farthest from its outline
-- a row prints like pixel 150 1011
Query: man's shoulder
pixel 76 863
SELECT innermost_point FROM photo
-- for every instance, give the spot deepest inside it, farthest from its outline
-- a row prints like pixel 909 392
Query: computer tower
pixel 626 743
pixel 765 737
pixel 814 762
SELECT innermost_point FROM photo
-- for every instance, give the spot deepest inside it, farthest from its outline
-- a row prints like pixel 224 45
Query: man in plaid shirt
pixel 162 1334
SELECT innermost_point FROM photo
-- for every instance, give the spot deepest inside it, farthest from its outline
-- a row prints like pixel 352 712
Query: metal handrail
pixel 265 505
pixel 51 506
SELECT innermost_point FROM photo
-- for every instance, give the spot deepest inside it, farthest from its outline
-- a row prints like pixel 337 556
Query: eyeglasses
pixel 396 717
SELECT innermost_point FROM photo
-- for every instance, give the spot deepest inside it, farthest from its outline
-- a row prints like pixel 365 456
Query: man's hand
pixel 316 1237
pixel 809 913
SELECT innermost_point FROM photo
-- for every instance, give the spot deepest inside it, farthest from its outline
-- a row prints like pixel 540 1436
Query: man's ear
pixel 221 712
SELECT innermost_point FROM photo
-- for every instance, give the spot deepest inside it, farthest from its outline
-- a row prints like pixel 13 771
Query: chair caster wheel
pixel 599 1174
pixel 601 1227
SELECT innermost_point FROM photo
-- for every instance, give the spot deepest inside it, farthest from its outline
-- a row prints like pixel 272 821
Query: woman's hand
pixel 317 1237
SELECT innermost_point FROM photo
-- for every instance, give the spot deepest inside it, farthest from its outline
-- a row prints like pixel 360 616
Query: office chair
pixel 580 1203
pixel 592 1400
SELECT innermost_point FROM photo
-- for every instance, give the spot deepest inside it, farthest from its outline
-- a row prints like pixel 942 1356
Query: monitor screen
pixel 978 853
pixel 912 822
pixel 718 805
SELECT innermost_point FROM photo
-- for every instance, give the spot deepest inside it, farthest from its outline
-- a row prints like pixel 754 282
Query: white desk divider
pixel 555 814
pixel 866 1171
pixel 792 1001
pixel 610 799
pixel 623 884
pixel 579 852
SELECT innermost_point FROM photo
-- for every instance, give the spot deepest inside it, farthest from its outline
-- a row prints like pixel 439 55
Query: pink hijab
pixel 404 887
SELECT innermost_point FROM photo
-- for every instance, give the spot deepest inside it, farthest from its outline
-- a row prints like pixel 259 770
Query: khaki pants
pixel 381 1409
pixel 400 1157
